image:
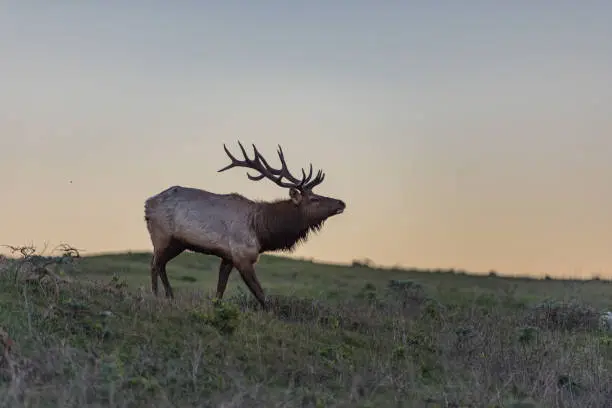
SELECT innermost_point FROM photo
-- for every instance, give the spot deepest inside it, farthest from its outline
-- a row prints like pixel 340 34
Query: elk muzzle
pixel 340 208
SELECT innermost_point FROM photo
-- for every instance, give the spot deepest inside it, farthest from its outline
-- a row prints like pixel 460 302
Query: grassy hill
pixel 337 336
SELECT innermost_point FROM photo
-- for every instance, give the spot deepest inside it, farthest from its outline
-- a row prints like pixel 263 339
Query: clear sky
pixel 467 134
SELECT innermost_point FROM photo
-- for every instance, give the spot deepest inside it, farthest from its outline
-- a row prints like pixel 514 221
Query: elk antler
pixel 260 164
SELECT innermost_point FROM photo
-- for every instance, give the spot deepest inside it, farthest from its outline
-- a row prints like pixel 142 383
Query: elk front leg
pixel 224 272
pixel 247 272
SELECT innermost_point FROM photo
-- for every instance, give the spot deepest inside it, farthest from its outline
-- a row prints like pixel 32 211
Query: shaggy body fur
pixel 230 226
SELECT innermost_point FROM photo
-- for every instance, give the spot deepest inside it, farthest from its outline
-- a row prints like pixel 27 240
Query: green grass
pixel 337 336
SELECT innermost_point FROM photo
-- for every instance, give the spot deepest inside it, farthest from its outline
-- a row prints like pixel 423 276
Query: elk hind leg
pixel 154 276
pixel 160 259
pixel 225 268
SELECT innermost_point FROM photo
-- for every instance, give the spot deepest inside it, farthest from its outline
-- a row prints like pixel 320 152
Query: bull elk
pixel 233 227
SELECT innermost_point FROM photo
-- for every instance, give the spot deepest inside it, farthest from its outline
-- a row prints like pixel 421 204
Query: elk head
pixel 312 207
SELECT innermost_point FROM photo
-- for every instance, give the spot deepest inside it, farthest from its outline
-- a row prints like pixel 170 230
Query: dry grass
pixel 376 341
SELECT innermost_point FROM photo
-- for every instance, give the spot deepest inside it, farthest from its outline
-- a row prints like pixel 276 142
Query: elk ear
pixel 296 196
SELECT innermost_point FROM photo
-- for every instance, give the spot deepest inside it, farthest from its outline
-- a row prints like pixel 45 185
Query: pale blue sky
pixel 471 134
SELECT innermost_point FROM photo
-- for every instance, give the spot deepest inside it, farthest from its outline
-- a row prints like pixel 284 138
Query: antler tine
pixel 259 157
pixel 253 164
pixel 234 162
pixel 316 181
pixel 260 165
pixel 280 173
pixel 263 160
pixel 239 163
pixel 307 179
pixel 285 170
pixel 242 163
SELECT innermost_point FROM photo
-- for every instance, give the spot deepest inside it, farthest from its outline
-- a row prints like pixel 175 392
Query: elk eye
pixel 314 200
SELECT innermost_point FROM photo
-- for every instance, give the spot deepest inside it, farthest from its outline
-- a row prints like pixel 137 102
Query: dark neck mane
pixel 280 225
